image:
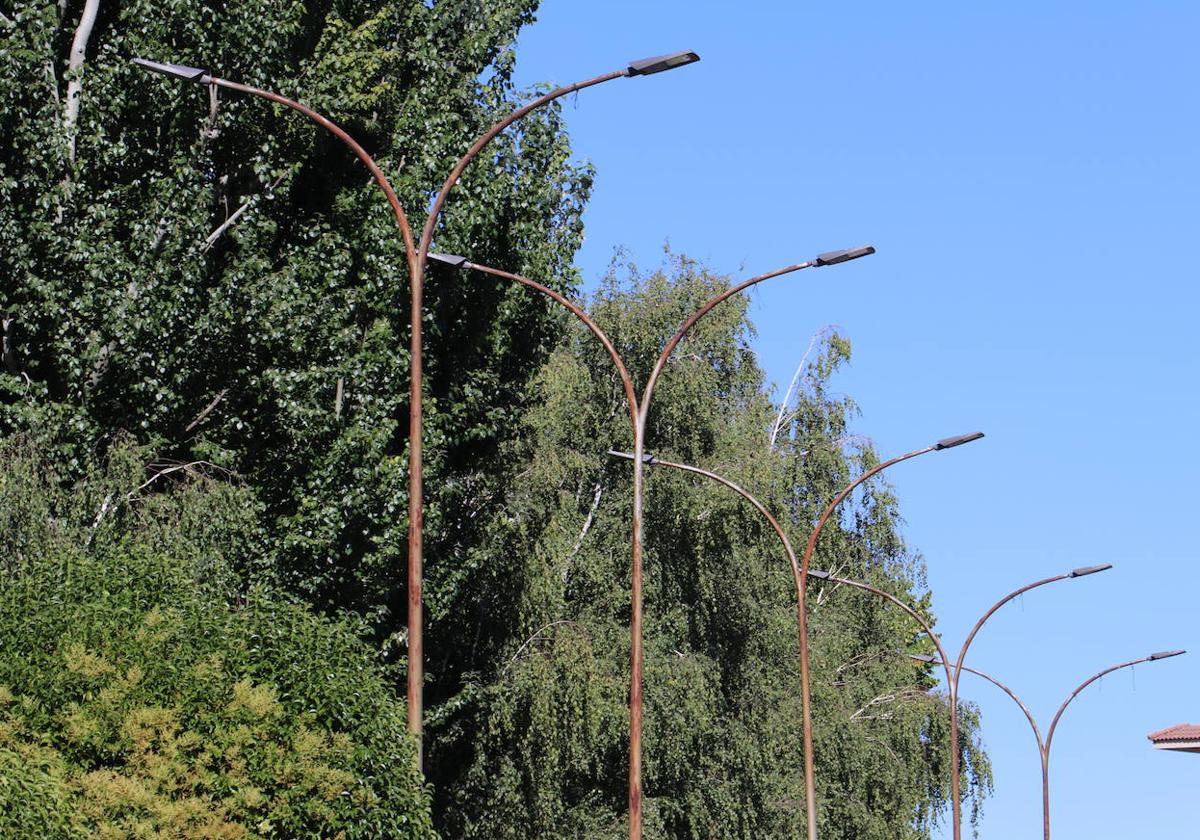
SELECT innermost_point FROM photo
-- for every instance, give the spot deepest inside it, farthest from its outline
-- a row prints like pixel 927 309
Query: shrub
pixel 143 694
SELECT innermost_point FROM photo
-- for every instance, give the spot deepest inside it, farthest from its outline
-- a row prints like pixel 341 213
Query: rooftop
pixel 1184 737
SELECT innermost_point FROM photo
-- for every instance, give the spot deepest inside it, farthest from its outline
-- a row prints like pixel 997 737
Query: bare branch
pixel 104 509
pixel 207 410
pixel 784 414
pixel 189 466
pixel 337 400
pixel 245 205
pixel 598 490
pixel 536 637
pixel 8 350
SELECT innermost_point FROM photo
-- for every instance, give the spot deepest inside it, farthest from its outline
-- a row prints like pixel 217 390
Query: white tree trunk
pixel 74 72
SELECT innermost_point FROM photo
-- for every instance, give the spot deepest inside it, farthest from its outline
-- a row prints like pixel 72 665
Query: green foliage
pixel 123 317
pixel 535 743
pixel 142 696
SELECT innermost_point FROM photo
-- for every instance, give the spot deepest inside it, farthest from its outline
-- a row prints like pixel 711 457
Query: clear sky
pixel 1029 173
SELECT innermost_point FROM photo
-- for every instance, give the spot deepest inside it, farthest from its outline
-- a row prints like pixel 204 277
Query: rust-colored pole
pixel 798 581
pixel 635 629
pixel 416 563
pixel 1154 657
pixel 956 804
pixel 416 255
pixel 643 67
pixel 572 307
pixel 639 413
pixel 805 565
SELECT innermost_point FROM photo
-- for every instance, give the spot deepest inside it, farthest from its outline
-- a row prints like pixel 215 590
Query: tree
pixel 144 693
pixel 535 743
pixel 222 281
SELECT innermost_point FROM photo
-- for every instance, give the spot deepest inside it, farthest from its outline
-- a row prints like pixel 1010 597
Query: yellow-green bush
pixel 143 695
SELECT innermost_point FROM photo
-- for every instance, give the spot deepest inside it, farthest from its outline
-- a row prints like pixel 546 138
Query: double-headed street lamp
pixel 800 571
pixel 954 674
pixel 416 254
pixel 639 411
pixel 1044 744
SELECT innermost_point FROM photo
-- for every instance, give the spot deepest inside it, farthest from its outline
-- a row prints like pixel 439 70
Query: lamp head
pixel 835 257
pixel 1164 654
pixel 819 575
pixel 659 63
pixel 179 71
pixel 951 442
pixel 452 260
pixel 923 657
pixel 647 458
pixel 1088 570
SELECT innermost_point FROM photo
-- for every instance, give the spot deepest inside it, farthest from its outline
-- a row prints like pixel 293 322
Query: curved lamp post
pixel 954 674
pixel 639 411
pixel 1044 745
pixel 805 565
pixel 798 576
pixel 416 255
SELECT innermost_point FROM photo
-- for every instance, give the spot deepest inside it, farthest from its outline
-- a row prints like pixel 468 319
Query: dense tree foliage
pixel 144 694
pixel 127 311
pixel 195 286
pixel 536 743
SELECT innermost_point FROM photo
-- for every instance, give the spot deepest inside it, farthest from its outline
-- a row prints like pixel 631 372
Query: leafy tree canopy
pixel 143 694
pixel 535 742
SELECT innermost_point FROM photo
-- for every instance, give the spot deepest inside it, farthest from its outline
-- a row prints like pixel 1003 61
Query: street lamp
pixel 416 256
pixel 1044 745
pixel 959 667
pixel 798 574
pixel 806 563
pixel 639 410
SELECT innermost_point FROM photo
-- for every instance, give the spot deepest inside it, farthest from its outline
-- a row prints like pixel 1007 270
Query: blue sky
pixel 1029 173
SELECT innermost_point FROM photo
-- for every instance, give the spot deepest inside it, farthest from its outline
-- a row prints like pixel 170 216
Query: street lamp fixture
pixel 452 260
pixel 835 257
pixel 179 71
pixel 659 63
pixel 1089 570
pixel 958 440
pixel 1164 654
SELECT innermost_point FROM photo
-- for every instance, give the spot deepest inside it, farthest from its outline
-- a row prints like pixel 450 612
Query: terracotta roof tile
pixel 1181 732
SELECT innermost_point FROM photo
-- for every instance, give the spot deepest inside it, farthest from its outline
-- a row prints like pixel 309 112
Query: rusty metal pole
pixel 805 565
pixel 416 255
pixel 414 271
pixel 639 452
pixel 1083 571
pixel 1154 657
pixel 626 380
pixel 638 416
pixel 416 677
pixel 799 583
pixel 635 628
pixel 1044 746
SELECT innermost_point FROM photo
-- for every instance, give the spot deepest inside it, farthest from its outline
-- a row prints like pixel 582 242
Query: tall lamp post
pixel 798 577
pixel 805 565
pixel 639 411
pixel 1044 744
pixel 416 255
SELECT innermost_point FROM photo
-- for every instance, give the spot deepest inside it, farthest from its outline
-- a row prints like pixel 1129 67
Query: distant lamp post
pixel 639 410
pixel 954 674
pixel 1044 745
pixel 416 255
